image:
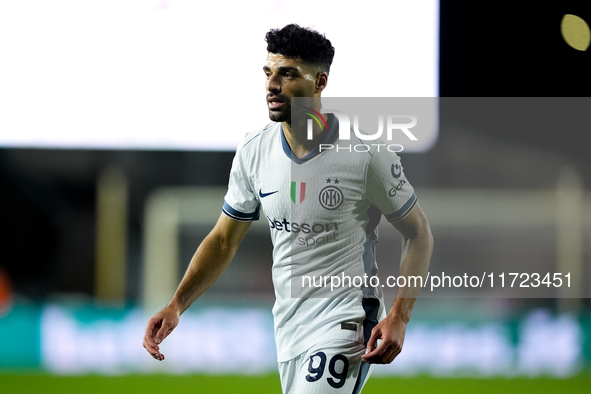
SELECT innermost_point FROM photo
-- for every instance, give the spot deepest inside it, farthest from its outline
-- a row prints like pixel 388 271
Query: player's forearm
pixel 416 256
pixel 208 263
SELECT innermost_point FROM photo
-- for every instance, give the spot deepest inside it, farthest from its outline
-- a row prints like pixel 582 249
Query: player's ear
pixel 321 81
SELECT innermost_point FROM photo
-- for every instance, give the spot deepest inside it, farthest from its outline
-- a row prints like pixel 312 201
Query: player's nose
pixel 273 84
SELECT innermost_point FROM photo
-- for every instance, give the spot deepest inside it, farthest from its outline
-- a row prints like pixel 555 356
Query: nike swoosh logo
pixel 263 195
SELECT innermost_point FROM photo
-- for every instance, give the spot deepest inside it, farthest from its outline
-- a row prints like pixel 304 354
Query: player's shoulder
pixel 254 138
pixel 373 150
pixel 376 156
pixel 257 141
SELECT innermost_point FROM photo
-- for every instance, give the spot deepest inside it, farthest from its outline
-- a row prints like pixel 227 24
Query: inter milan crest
pixel 331 197
pixel 298 192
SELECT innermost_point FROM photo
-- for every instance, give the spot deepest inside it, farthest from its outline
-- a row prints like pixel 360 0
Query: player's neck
pixel 298 142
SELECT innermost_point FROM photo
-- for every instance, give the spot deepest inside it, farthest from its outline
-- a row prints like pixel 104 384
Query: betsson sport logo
pixel 345 130
pixel 314 234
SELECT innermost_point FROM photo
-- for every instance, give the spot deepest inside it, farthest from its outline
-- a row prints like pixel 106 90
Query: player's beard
pixel 281 116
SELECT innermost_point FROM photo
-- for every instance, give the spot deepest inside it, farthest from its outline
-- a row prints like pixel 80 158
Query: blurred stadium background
pixel 94 239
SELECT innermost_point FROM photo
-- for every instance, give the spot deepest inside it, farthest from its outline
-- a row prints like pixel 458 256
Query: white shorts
pixel 327 367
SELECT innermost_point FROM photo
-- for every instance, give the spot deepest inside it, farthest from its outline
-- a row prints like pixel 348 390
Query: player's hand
pixel 391 331
pixel 158 328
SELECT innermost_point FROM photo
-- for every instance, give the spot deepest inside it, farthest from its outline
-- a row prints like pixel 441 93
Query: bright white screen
pixel 187 74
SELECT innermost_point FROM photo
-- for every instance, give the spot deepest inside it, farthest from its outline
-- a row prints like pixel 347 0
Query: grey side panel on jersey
pixel 369 251
pixel 364 372
pixel 372 308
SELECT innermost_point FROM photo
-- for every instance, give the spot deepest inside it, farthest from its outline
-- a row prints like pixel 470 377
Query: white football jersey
pixel 323 211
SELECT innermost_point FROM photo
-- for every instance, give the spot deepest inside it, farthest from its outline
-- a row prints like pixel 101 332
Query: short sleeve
pixel 240 202
pixel 387 187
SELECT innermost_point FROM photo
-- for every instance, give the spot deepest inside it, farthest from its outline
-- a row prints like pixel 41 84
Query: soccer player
pixel 323 208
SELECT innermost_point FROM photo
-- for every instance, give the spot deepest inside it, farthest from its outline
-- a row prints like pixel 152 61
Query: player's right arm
pixel 209 261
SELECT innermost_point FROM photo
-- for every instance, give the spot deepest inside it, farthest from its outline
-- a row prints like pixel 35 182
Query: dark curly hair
pixel 293 41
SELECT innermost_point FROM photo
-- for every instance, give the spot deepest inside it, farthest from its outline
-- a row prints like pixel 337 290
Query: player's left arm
pixel 417 246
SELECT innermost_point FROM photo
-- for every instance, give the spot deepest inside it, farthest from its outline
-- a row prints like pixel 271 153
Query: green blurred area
pixel 44 338
pixel 36 383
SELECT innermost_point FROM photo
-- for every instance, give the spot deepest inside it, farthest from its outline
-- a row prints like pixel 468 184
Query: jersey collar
pixel 328 136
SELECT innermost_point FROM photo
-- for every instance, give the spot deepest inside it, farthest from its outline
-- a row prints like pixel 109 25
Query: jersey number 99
pixel 338 378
